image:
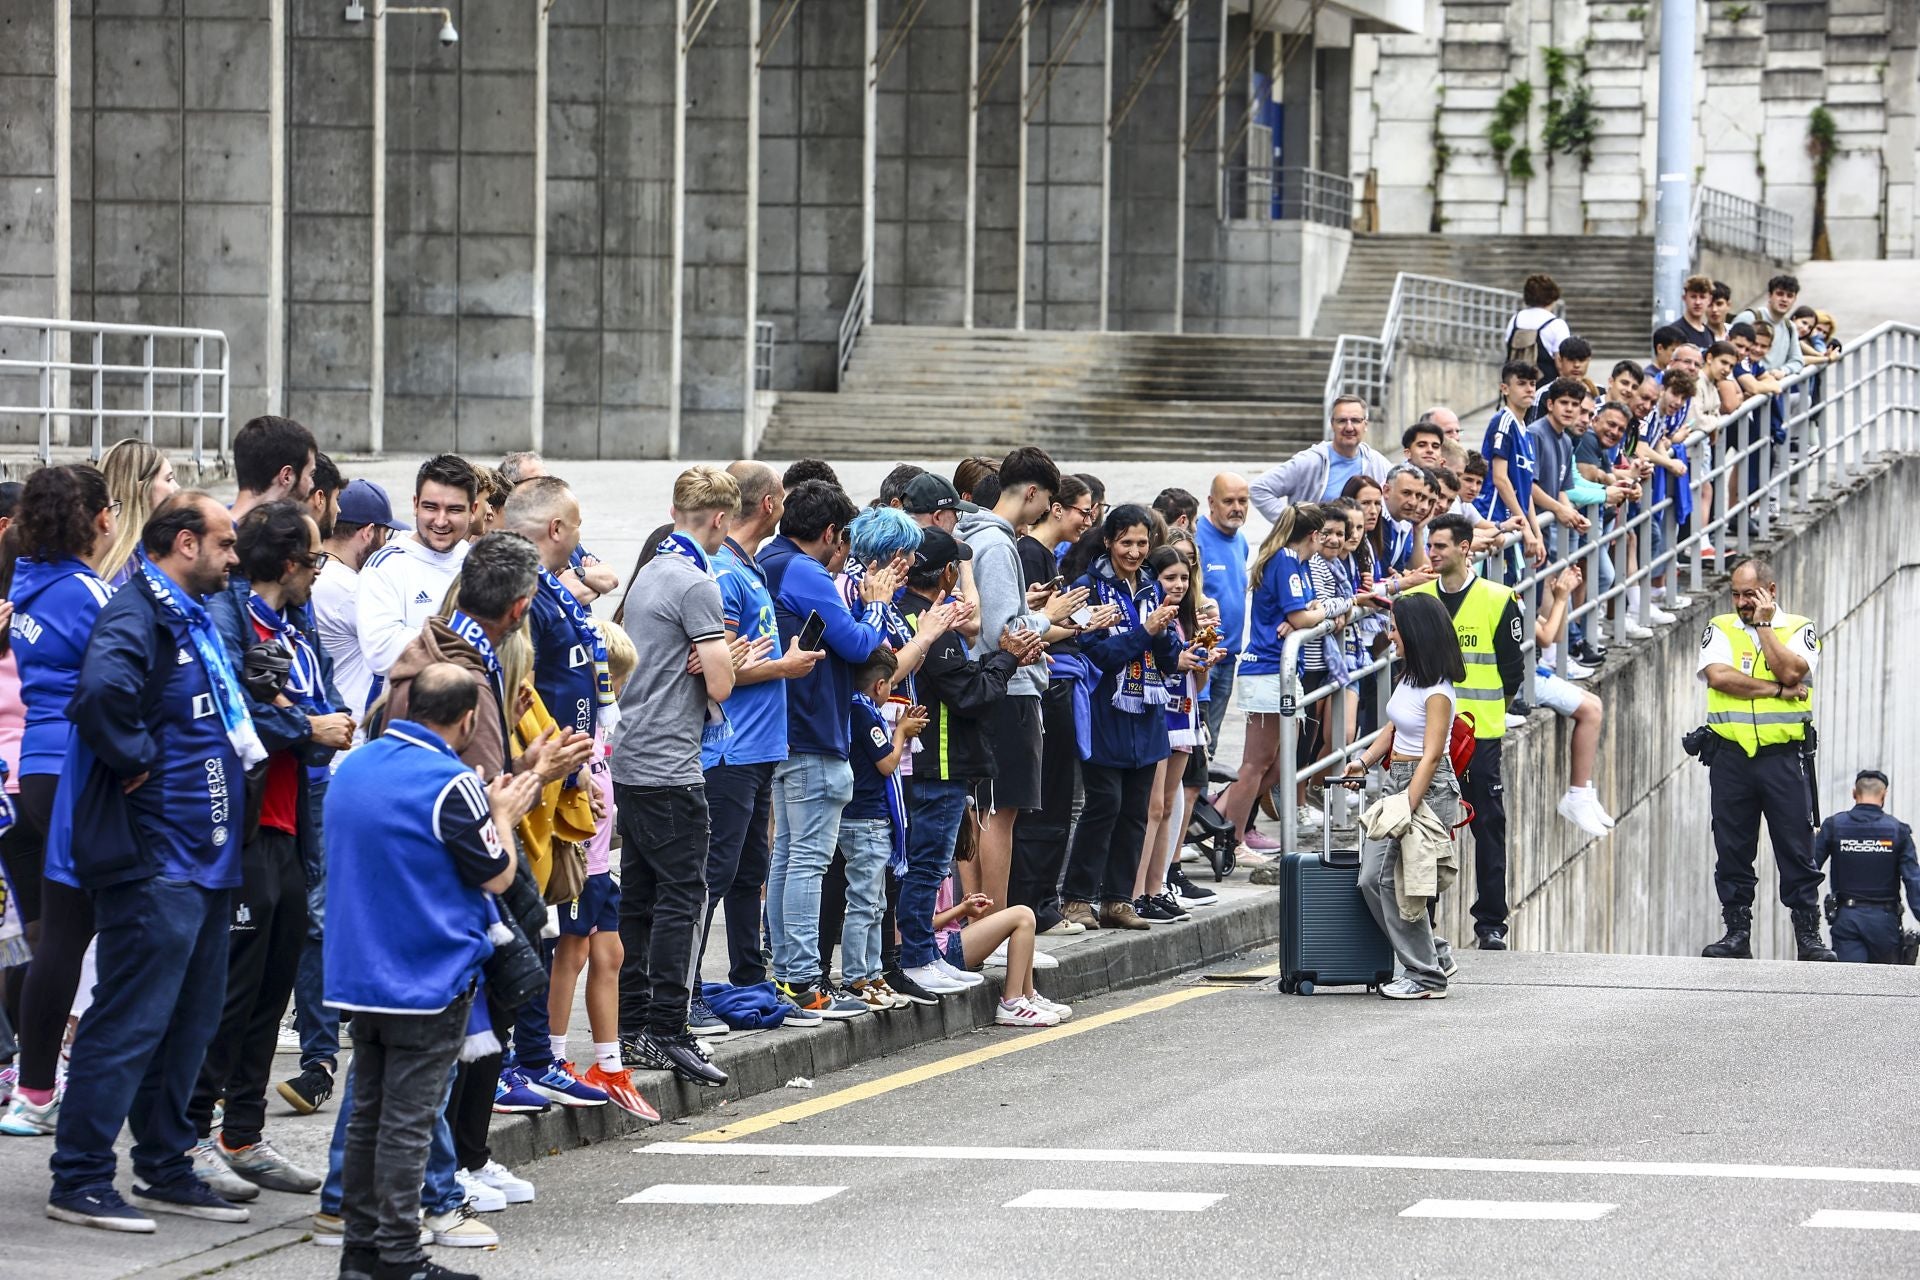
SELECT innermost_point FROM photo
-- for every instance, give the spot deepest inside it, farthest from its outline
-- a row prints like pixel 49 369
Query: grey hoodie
pixel 1003 595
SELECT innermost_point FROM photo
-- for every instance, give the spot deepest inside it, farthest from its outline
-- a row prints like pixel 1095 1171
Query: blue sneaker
pixel 559 1083
pixel 102 1208
pixel 513 1095
pixel 191 1198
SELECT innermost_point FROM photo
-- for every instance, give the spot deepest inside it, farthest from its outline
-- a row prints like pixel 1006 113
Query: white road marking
pixel 1151 1201
pixel 730 1193
pixel 1864 1220
pixel 1294 1160
pixel 1511 1210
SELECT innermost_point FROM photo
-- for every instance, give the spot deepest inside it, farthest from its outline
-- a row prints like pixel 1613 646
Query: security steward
pixel 1486 618
pixel 1757 663
pixel 1871 855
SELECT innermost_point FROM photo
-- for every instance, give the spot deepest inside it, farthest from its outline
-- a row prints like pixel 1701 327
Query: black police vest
pixel 1865 864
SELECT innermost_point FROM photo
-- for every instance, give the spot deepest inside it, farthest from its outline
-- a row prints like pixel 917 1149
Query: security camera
pixel 448 36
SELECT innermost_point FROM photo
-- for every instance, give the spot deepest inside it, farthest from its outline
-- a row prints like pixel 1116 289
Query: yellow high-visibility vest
pixel 1757 722
pixel 1481 698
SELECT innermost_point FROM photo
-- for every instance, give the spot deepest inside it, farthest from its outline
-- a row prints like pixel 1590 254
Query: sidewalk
pixel 756 1062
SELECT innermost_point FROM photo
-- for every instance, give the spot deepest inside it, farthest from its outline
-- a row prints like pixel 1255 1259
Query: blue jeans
pixel 868 843
pixel 162 960
pixel 809 791
pixel 934 813
pixel 317 1025
pixel 440 1192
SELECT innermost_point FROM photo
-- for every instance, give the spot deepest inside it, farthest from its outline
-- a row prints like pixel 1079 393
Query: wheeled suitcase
pixel 1328 938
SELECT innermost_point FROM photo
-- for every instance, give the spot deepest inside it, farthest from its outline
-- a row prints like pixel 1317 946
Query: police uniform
pixel 1869 853
pixel 1758 772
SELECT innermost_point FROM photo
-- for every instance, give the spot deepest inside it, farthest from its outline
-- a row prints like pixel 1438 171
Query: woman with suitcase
pixel 1413 748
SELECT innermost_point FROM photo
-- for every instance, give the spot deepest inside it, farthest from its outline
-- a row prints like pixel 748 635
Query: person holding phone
pixel 873 828
pixel 1414 751
pixel 970 931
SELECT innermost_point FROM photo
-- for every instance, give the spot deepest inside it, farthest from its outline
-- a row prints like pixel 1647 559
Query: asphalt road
pixel 1666 1117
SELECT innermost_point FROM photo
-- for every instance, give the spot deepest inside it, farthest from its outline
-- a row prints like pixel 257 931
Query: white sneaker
pixel 1593 802
pixel 998 960
pixel 1041 960
pixel 1018 1013
pixel 1636 631
pixel 481 1198
pixel 1192 853
pixel 1054 1007
pixel 1514 722
pixel 516 1189
pixel 288 1040
pixel 930 977
pixel 956 974
pixel 1578 671
pixel 1678 601
pixel 1063 929
pixel 460 1229
pixel 1310 818
pixel 1660 617
pixel 1575 808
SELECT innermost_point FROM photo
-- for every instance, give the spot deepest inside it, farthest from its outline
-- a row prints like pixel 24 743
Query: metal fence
pixel 1838 420
pixel 144 373
pixel 1425 312
pixel 1267 194
pixel 859 307
pixel 1738 225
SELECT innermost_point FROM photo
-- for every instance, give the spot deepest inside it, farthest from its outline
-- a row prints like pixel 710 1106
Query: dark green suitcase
pixel 1328 938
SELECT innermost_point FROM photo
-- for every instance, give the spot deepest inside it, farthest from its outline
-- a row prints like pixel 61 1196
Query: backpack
pixel 1523 346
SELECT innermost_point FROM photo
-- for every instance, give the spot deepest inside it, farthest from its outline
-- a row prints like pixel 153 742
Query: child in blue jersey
pixel 873 827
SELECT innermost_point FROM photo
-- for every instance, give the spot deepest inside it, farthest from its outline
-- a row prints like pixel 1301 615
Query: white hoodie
pixel 401 587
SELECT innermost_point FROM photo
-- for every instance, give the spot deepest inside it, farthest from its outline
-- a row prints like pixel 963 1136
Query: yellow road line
pixel 958 1062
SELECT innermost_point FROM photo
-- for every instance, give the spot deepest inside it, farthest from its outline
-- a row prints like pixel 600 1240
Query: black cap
pixel 938 549
pixel 927 493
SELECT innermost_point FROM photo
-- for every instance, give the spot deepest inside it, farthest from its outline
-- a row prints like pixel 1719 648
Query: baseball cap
pixel 927 493
pixel 938 549
pixel 364 502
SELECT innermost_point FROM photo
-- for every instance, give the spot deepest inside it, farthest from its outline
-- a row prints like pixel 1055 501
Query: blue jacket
pixel 1869 854
pixel 143 704
pixel 55 603
pixel 280 728
pixel 817 703
pixel 1126 739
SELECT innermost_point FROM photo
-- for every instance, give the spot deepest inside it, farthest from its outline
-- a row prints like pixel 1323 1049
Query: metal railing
pixel 763 344
pixel 138 387
pixel 1867 406
pixel 1266 194
pixel 1739 225
pixel 855 319
pixel 1425 312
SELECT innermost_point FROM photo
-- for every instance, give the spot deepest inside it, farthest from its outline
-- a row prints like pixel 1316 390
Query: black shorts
pixel 1196 774
pixel 1013 734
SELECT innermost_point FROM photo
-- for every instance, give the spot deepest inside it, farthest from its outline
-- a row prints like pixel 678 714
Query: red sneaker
pixel 618 1086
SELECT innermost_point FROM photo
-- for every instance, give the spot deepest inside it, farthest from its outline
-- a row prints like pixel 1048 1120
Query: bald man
pixel 1223 567
pixel 1444 418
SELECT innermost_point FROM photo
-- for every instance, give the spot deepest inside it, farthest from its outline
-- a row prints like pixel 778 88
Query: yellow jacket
pixel 562 812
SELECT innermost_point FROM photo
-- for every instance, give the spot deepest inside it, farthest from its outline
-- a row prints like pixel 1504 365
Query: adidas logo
pixel 182 659
pixel 423 598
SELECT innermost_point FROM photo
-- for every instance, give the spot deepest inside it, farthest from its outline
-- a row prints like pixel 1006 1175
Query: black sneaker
pixel 307 1092
pixel 1156 910
pixel 1188 894
pixel 358 1264
pixel 638 1052
pixel 904 986
pixel 1171 903
pixel 684 1057
pixel 424 1269
pixel 190 1198
pixel 1494 940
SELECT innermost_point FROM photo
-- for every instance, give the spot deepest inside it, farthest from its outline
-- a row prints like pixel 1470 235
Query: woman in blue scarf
pixel 1136 658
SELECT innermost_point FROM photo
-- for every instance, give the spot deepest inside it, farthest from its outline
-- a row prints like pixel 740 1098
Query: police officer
pixel 1757 663
pixel 1872 854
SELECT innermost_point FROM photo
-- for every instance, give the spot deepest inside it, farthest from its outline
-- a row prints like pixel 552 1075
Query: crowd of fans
pixel 375 769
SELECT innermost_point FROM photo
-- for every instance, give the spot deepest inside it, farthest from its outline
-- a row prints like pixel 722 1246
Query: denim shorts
pixel 956 950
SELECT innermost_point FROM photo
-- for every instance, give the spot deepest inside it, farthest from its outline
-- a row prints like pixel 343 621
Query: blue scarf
pixel 470 631
pixel 1141 687
pixel 896 804
pixel 1075 667
pixel 718 728
pixel 590 638
pixel 303 677
pixel 228 699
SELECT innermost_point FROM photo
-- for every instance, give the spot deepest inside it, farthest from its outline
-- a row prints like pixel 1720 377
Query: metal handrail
pixel 1868 406
pixel 1266 194
pixel 189 381
pixel 1425 311
pixel 1725 221
pixel 855 318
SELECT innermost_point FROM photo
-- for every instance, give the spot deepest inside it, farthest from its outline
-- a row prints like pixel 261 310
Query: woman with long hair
pixel 1186 893
pixel 1366 491
pixel 1414 750
pixel 1128 718
pixel 65 525
pixel 139 479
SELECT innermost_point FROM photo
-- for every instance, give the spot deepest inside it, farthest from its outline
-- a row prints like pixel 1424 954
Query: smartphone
pixel 813 632
pixel 1058 584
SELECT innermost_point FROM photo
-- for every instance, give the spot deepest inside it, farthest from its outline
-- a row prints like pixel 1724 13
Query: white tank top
pixel 1407 709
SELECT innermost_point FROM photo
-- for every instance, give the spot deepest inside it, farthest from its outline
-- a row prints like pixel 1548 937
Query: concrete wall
pixel 1271 276
pixel 1067 173
pixel 922 148
pixel 1648 887
pixel 1144 262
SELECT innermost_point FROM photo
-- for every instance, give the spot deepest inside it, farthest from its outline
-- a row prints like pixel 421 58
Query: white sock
pixel 558 1044
pixel 607 1055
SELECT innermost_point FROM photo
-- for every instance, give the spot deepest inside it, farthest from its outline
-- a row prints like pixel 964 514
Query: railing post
pixel 99 406
pixel 1698 467
pixel 146 397
pixel 46 395
pixel 1763 515
pixel 199 398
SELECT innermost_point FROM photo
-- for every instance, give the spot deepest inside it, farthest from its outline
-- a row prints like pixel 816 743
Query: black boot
pixel 1806 932
pixel 1738 942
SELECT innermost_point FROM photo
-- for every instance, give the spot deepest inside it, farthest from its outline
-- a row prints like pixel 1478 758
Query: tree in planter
pixel 1822 146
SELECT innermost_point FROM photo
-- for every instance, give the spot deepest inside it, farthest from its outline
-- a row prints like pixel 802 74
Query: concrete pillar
pixel 1146 253
pixel 720 235
pixel 922 145
pixel 1068 179
pixel 1000 176
pixel 1206 57
pixel 813 195
pixel 1299 129
pixel 33 175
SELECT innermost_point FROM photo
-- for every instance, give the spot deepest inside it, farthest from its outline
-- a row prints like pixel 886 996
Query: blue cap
pixel 364 502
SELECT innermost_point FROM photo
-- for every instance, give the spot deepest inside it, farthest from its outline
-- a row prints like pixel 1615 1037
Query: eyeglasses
pixel 1082 511
pixel 1349 422
pixel 315 560
pixel 114 507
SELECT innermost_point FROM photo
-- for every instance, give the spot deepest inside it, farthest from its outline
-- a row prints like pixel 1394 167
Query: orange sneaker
pixel 618 1086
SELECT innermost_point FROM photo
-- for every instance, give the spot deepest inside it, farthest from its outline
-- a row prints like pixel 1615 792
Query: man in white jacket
pixel 404 582
pixel 1320 473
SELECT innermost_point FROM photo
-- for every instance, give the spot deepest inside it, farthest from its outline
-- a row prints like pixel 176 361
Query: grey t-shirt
pixel 671 605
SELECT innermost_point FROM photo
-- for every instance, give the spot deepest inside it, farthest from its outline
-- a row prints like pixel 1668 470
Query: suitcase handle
pixel 1340 858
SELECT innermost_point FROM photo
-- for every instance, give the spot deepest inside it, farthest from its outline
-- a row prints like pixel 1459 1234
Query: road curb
pixel 762 1062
